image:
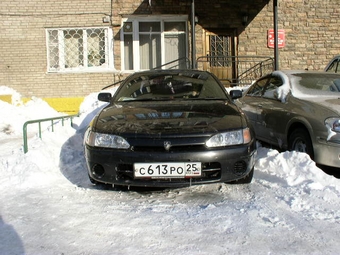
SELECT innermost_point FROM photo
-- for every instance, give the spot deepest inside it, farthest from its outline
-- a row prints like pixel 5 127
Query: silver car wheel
pixel 300 146
pixel 300 141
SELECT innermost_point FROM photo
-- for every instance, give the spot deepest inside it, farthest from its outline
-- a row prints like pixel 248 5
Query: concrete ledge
pixel 69 105
pixel 6 98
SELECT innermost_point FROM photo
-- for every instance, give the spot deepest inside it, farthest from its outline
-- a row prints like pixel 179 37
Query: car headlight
pixel 105 140
pixel 333 124
pixel 235 137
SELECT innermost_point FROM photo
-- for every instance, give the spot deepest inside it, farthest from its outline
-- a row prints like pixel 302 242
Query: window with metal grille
pixel 79 49
pixel 219 50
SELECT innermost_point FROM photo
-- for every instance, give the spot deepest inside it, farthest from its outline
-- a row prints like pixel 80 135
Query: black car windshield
pixel 317 84
pixel 171 85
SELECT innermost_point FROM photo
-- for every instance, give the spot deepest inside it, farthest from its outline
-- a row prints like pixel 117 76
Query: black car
pixel 170 128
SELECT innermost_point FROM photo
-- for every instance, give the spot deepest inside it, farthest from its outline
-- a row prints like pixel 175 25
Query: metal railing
pixel 39 121
pixel 181 63
pixel 236 70
pixel 231 70
pixel 256 71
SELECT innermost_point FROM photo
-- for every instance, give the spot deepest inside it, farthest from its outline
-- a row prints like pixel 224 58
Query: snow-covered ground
pixel 48 206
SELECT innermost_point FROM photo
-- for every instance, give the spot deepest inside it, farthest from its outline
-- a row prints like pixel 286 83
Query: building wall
pixel 23 53
pixel 311 33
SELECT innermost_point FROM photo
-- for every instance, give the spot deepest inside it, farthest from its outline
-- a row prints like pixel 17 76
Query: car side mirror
pixel 235 93
pixel 104 96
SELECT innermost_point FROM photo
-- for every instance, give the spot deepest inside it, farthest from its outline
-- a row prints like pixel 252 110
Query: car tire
pixel 300 141
pixel 245 180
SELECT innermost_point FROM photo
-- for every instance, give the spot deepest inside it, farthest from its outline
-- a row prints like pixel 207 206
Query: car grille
pixel 210 171
pixel 172 148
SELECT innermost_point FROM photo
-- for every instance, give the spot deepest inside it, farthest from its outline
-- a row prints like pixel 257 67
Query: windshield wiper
pixel 130 99
pixel 208 98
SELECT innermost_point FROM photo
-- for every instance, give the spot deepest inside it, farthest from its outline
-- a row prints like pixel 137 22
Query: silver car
pixel 297 110
pixel 334 65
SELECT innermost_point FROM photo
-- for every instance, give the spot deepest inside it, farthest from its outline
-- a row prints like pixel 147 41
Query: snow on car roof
pixel 314 85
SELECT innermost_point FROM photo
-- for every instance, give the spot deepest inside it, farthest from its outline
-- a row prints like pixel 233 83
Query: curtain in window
pixel 73 47
pixel 175 49
pixel 150 51
pixel 96 51
pixel 128 52
pixel 53 49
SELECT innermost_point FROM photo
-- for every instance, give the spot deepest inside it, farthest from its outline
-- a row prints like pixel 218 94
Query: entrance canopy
pixel 228 17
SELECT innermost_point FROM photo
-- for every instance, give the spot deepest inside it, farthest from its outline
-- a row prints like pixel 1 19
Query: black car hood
pixel 168 118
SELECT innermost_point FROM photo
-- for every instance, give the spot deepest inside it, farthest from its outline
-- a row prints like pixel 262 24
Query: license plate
pixel 167 170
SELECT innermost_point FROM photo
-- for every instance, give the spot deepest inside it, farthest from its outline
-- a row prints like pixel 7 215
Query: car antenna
pixel 113 84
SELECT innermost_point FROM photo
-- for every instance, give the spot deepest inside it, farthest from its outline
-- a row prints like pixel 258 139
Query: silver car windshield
pixel 316 84
pixel 171 86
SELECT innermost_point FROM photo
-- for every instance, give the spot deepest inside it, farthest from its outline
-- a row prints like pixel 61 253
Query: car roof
pixel 292 72
pixel 336 57
pixel 161 71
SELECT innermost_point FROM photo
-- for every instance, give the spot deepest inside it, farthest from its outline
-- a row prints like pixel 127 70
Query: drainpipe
pixel 193 38
pixel 276 36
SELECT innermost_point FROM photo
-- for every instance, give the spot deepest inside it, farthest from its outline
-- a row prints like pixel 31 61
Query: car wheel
pixel 300 141
pixel 245 180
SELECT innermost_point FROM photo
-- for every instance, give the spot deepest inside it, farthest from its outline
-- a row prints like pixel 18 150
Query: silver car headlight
pixel 105 140
pixel 241 136
pixel 333 124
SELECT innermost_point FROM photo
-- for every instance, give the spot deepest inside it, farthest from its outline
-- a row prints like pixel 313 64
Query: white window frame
pixel 108 66
pixel 135 35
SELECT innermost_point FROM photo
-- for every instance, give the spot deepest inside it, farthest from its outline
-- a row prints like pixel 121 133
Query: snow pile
pixel 14 115
pixel 48 205
pixel 16 97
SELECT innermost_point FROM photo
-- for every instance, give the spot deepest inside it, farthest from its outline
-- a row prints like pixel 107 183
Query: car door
pixel 251 105
pixel 272 113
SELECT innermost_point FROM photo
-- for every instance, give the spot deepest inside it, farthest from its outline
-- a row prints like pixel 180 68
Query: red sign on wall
pixel 281 38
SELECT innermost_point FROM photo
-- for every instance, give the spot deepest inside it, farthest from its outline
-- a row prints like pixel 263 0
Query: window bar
pixel 85 49
pixel 61 49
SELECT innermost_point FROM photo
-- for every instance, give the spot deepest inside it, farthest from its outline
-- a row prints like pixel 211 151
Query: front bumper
pixel 218 165
pixel 327 153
